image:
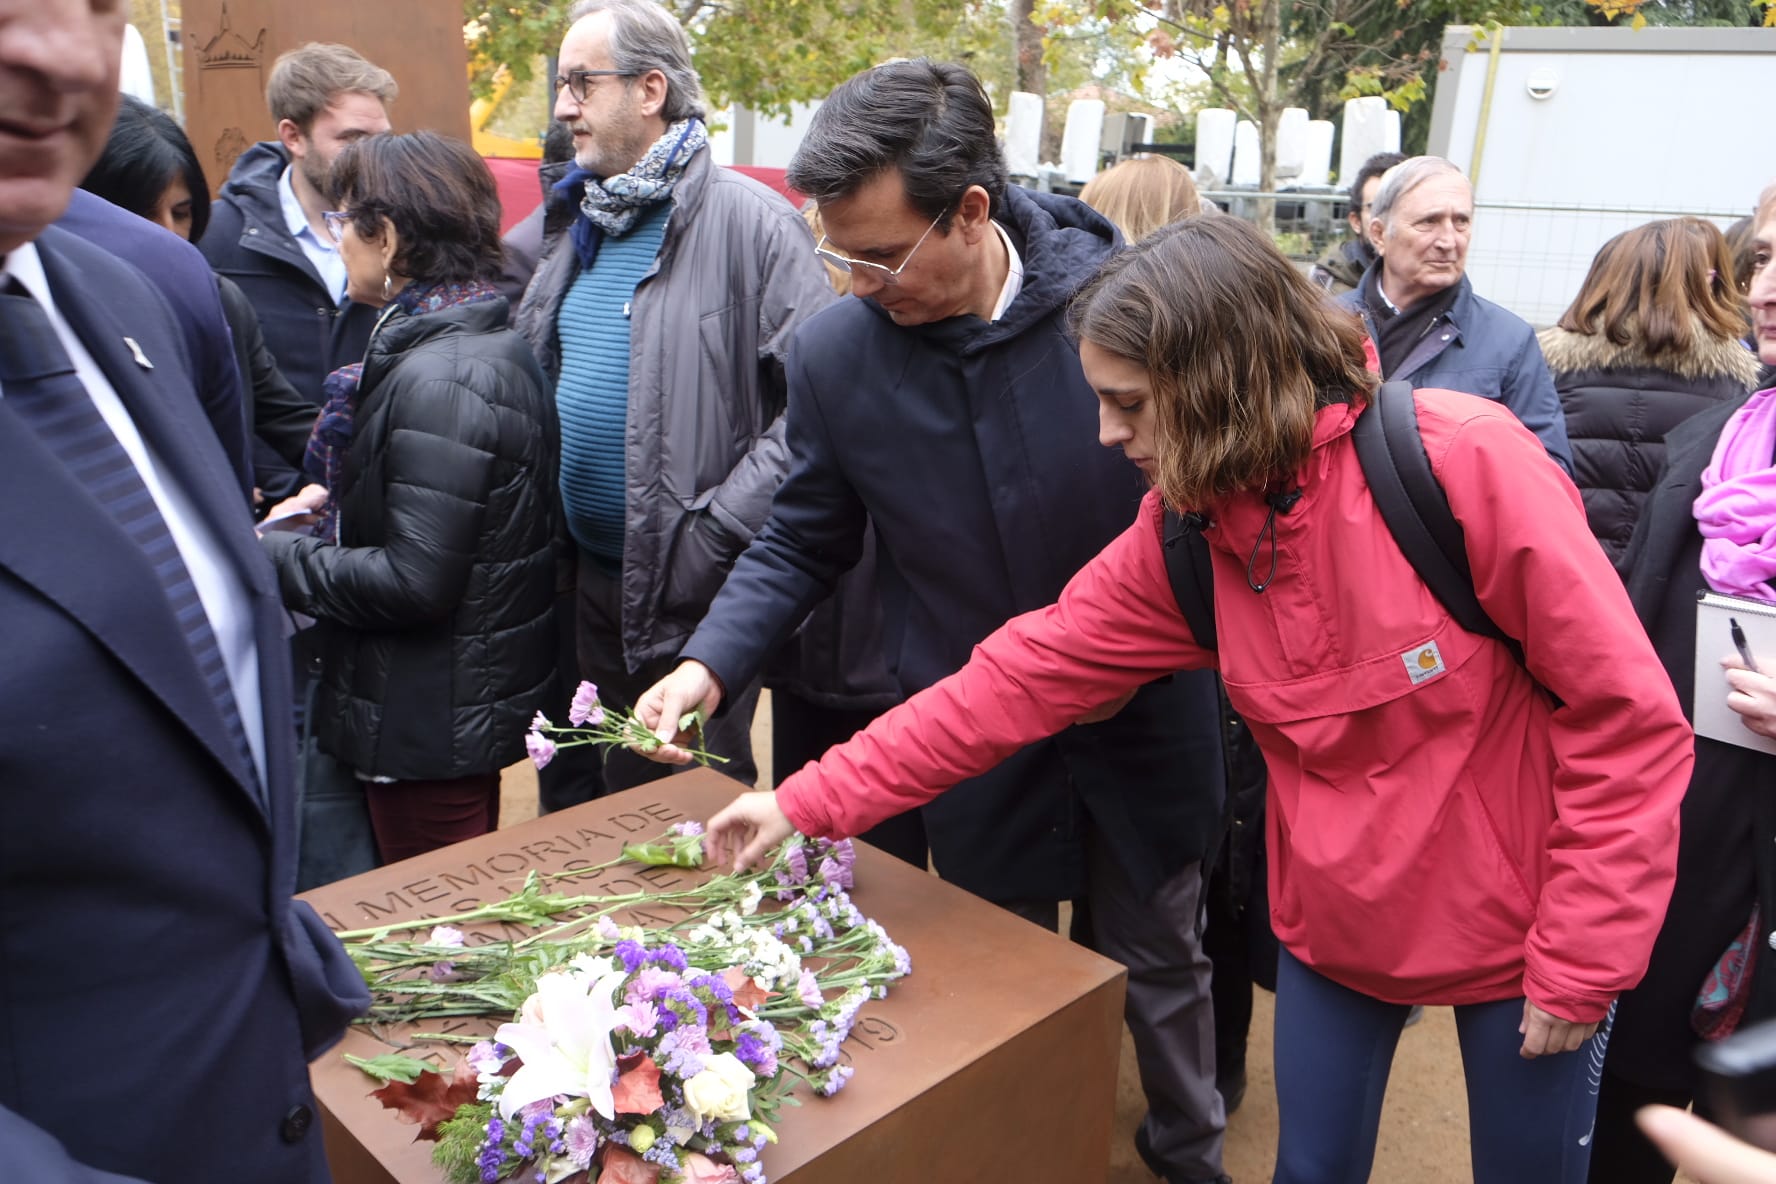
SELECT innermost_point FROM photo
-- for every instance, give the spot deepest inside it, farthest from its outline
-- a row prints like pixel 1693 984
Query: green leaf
pixel 393 1067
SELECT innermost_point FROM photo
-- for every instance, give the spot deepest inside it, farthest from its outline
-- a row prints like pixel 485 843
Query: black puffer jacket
pixel 436 606
pixel 1619 403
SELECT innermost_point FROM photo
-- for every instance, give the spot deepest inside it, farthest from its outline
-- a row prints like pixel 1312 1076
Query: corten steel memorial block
pixel 994 1060
pixel 230 45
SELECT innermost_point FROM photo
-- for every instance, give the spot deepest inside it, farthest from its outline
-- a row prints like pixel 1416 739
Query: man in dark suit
pixel 160 994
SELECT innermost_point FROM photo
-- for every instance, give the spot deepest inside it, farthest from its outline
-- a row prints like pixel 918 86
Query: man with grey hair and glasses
pixel 661 308
pixel 1428 326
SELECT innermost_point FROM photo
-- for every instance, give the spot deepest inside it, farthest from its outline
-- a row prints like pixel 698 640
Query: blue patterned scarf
pixel 332 435
pixel 612 205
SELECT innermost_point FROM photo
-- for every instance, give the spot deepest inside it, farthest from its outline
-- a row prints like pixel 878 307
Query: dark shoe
pixel 1145 1149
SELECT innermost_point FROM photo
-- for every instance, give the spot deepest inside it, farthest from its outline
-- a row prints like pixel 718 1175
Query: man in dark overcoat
pixel 947 406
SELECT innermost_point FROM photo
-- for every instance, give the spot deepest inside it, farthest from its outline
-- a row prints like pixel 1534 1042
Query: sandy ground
pixel 1424 1130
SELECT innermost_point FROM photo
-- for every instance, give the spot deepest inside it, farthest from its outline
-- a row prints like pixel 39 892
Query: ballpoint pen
pixel 1740 644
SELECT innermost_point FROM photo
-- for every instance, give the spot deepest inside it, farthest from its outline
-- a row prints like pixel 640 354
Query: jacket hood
pixel 1063 242
pixel 253 179
pixel 1347 261
pixel 1569 352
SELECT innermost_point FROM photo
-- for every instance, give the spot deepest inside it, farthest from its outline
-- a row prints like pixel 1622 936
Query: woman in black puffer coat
pixel 435 602
pixel 1653 337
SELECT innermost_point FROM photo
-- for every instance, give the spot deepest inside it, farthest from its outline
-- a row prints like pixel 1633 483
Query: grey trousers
pixel 1168 1007
pixel 599 645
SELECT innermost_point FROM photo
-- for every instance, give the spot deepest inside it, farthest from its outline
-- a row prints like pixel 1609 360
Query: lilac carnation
pixel 797 859
pixel 808 989
pixel 584 711
pixel 641 1018
pixel 488 1057
pixel 541 749
pixel 687 829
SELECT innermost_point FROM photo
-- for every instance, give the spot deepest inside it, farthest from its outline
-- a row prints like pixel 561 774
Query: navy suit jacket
pixel 160 993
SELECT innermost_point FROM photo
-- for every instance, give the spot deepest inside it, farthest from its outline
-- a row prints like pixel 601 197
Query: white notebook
pixel 1716 614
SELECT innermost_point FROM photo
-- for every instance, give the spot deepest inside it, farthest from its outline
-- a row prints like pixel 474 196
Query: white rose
pixel 720 1091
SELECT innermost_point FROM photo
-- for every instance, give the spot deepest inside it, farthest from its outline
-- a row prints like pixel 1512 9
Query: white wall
pixel 1666 124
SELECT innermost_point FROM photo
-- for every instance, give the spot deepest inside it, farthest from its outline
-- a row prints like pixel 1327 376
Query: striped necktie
pixel 40 384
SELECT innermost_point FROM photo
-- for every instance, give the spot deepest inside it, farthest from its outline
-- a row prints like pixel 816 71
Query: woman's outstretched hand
pixel 746 829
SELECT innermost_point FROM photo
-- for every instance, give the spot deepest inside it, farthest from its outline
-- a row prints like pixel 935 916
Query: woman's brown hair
pixel 1241 351
pixel 1660 286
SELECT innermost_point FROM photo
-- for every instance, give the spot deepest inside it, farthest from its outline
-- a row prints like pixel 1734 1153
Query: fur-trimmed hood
pixel 1569 353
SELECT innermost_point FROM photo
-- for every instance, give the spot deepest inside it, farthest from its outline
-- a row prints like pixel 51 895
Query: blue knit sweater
pixel 593 393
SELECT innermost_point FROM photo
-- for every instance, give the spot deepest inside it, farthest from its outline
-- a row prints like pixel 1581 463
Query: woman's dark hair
pixel 438 195
pixel 930 120
pixel 1239 348
pixel 144 155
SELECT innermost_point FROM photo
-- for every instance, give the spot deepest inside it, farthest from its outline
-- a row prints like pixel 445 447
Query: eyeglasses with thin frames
pixel 336 221
pixel 575 80
pixel 876 271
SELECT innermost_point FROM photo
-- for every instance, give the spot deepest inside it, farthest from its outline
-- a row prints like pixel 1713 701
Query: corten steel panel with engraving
pixel 994 1060
pixel 230 46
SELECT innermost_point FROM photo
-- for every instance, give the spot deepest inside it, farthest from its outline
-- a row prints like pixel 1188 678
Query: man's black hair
pixel 1374 167
pixel 930 120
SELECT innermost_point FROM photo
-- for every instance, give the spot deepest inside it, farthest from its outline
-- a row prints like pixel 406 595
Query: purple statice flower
pixel 687 829
pixel 663 1153
pixel 719 992
pixel 756 1054
pixel 808 990
pixel 743 1154
pixel 541 750
pixel 797 860
pixel 753 1174
pixel 584 711
pixel 492 1151
pixel 533 1118
pixel 835 1081
pixel 632 954
pixel 772 1040
pixel 678 1005
pixel 827 1055
pixel 642 1018
pixel 784 887
pixel 669 956
pixel 487 1057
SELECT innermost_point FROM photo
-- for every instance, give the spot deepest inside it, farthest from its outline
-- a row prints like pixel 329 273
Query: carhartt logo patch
pixel 1422 662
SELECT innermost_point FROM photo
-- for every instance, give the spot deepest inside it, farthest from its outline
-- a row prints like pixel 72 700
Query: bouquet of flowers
pixel 636 1055
pixel 590 723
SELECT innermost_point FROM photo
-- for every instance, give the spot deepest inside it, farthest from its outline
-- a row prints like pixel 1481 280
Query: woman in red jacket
pixel 1447 825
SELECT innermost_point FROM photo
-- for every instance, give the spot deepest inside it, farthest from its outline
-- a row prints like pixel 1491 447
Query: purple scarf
pixel 1736 512
pixel 332 435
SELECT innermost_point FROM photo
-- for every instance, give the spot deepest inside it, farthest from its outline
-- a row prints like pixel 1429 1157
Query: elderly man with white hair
pixel 1429 327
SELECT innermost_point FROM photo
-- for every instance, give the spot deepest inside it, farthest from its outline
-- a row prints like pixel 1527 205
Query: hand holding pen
pixel 1752 693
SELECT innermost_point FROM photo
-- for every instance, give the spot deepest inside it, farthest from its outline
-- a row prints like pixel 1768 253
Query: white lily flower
pixel 566 1048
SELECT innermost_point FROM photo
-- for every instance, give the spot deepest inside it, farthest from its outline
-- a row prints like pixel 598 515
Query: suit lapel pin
pixel 141 358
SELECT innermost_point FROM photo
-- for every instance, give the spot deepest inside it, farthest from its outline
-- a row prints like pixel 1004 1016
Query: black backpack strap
pixel 1193 581
pixel 1415 508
